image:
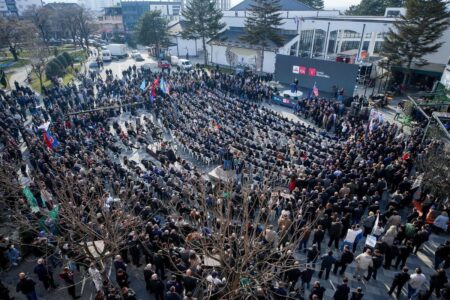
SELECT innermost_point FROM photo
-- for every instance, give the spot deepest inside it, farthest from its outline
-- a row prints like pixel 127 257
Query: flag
pixel 32 202
pixel 315 90
pixel 162 86
pixel 143 85
pixel 49 140
pixel 54 212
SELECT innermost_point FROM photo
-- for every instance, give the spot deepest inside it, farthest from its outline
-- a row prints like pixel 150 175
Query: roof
pixel 286 5
pixel 177 27
pixel 232 37
pixel 61 5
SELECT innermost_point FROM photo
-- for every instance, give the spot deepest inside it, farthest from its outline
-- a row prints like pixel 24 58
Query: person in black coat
pixel 26 286
pixel 437 282
pixel 403 253
pixel 342 290
pixel 157 287
pixel 172 294
pixel 358 294
pixel 122 278
pixel 327 262
pixel 345 259
pixel 294 274
pixel 312 255
pixel 45 274
pixel 307 276
pixel 399 281
pixel 317 290
pixel 148 272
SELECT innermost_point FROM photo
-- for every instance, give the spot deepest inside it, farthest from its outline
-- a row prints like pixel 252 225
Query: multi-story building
pixel 17 7
pixel 110 22
pixel 97 5
pixel 133 10
pixel 220 4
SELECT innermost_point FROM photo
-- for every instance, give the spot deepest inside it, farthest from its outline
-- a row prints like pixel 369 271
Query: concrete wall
pixel 441 57
pixel 192 47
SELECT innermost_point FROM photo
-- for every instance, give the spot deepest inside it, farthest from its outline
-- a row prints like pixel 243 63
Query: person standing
pixel 363 262
pixel 377 262
pixel 403 253
pixel 68 278
pixel 318 236
pixel 342 290
pixel 437 282
pixel 45 274
pixel 416 281
pixel 96 277
pixel 26 286
pixel 306 276
pixel 335 233
pixel 358 294
pixel 157 287
pixel 327 262
pixel 345 259
pixel 317 291
pixel 399 281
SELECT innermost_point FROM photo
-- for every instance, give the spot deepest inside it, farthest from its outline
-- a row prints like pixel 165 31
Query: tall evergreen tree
pixel 152 30
pixel 316 4
pixel 202 22
pixel 416 34
pixel 261 25
pixel 373 7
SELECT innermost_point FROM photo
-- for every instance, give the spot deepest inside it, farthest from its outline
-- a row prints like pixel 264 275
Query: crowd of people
pixel 349 193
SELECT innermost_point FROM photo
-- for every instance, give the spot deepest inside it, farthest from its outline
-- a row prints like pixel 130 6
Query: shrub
pixel 53 69
pixel 68 57
pixel 62 60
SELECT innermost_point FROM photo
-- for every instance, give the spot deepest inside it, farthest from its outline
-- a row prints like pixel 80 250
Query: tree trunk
pixel 205 53
pixel 14 53
pixel 407 74
pixel 262 60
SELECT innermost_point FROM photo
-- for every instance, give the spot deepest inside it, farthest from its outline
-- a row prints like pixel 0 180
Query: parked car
pixel 163 64
pixel 185 64
pixel 138 57
pixel 94 67
pixel 134 53
pixel 106 55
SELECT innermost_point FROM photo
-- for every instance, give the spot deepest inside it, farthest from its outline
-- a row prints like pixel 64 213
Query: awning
pixel 243 51
pixel 430 69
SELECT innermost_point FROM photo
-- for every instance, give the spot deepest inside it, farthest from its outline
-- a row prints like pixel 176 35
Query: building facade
pixel 133 10
pixel 110 22
pixel 97 5
pixel 17 7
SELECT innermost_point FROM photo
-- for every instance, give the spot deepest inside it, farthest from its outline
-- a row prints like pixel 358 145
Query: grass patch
pixel 78 56
pixel 35 84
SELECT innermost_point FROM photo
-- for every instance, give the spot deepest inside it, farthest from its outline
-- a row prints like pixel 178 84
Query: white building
pixel 182 47
pixel 323 34
pixel 220 4
pixel 97 5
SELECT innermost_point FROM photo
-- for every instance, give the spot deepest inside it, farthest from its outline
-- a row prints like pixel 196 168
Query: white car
pixel 185 64
pixel 106 55
pixel 134 53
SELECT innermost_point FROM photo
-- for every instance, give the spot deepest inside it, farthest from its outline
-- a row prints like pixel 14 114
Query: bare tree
pixel 39 57
pixel 434 165
pixel 41 18
pixel 15 34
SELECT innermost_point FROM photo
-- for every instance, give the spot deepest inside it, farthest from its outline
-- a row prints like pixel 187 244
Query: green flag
pixel 54 212
pixel 31 199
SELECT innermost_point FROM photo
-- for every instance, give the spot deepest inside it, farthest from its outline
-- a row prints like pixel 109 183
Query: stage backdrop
pixel 322 72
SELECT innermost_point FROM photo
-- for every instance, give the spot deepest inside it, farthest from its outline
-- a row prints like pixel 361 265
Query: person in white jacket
pixel 363 262
pixel 415 283
pixel 96 277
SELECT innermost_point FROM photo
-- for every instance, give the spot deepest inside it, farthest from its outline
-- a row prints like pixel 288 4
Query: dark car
pixel 138 57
